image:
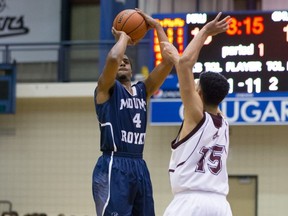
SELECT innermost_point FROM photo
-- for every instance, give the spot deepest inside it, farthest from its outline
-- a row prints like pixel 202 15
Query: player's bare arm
pixel 161 71
pixel 113 60
pixel 193 106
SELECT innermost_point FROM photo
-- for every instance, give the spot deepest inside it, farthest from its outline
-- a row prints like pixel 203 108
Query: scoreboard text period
pixel 252 54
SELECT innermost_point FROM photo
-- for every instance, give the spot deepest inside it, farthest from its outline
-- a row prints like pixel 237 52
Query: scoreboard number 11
pixel 253 85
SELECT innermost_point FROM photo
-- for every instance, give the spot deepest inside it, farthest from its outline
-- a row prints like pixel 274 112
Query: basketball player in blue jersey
pixel 197 169
pixel 121 180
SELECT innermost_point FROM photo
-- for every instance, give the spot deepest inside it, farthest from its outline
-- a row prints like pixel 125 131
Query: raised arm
pixel 160 72
pixel 113 60
pixel 193 105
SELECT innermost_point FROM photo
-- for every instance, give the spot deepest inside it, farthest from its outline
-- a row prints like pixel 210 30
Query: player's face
pixel 124 70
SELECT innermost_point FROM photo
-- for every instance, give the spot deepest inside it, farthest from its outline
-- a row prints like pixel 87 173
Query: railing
pixel 68 61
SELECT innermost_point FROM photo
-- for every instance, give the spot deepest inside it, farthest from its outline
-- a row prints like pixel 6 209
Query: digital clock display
pixel 252 54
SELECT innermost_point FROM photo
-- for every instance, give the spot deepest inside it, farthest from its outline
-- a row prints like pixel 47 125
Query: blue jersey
pixel 123 119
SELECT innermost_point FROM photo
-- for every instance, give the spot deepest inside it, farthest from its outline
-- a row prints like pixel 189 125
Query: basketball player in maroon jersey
pixel 197 168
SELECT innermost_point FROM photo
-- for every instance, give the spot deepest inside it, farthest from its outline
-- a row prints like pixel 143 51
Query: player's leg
pixel 188 204
pixel 115 186
pixel 219 205
pixel 100 184
pixel 198 204
pixel 143 203
pixel 176 207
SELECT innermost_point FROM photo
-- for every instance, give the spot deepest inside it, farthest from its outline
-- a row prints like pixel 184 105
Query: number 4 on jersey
pixel 137 120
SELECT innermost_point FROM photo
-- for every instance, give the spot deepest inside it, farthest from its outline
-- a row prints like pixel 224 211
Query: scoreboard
pixel 252 54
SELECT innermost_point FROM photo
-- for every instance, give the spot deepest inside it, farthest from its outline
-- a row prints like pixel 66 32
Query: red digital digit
pixel 233 28
pixel 257 25
pixel 247 23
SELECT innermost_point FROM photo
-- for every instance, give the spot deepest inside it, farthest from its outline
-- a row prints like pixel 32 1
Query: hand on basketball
pixel 151 23
pixel 215 26
pixel 117 35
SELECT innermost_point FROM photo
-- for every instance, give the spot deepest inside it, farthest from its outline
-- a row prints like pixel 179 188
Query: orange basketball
pixel 132 23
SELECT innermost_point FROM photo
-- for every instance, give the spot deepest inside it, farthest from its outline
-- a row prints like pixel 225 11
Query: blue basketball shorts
pixel 122 187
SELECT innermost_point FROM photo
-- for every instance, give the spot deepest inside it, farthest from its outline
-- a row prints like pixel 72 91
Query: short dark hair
pixel 214 86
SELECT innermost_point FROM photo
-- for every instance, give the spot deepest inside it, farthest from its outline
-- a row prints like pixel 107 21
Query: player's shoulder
pixel 140 86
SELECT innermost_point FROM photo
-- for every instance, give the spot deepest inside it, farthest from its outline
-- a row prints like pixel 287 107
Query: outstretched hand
pixel 117 35
pixel 215 26
pixel 151 23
